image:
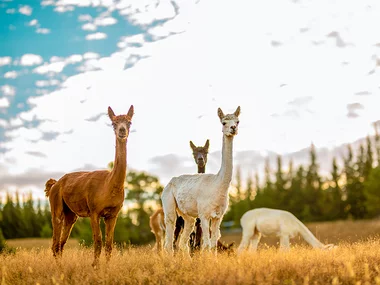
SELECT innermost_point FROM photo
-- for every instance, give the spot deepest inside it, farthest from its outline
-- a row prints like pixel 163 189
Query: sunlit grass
pixel 355 261
pixel 347 264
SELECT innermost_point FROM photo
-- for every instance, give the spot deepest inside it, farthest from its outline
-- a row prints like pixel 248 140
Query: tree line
pixel 350 191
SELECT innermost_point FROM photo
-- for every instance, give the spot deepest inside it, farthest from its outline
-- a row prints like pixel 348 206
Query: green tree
pixel 12 224
pixel 333 204
pixel 372 193
pixel 355 202
pixel 313 194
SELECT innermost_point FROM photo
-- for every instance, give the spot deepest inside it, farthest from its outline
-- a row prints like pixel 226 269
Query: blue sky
pixel 304 72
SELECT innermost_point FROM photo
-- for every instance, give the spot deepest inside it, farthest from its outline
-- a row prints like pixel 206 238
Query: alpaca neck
pixel 225 173
pixel 120 165
pixel 308 236
pixel 201 169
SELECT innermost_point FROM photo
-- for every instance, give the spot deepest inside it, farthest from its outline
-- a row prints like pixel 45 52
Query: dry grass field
pixel 355 261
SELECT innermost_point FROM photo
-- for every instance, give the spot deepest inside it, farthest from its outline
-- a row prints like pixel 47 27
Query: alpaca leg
pixel 198 234
pixel 255 241
pixel 69 221
pixel 170 215
pixel 187 229
pixel 57 219
pixel 179 223
pixel 215 232
pixel 110 229
pixel 206 243
pixel 246 237
pixel 284 242
pixel 97 237
pixel 160 241
pixel 57 222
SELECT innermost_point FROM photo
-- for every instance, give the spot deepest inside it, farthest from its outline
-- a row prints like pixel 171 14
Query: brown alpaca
pixel 93 194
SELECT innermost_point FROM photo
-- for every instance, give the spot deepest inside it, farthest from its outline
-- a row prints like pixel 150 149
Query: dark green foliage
pixel 372 193
pixel 351 191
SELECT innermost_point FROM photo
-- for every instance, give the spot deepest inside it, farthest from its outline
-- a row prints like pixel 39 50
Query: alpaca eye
pixel 224 123
pixel 237 123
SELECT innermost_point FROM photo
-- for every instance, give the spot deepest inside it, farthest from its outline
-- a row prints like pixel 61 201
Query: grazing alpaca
pixel 93 194
pixel 201 195
pixel 269 222
pixel 156 221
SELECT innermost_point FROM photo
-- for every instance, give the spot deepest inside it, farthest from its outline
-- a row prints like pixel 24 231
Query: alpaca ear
pixel 220 114
pixel 131 111
pixel 193 147
pixel 207 144
pixel 111 114
pixel 237 112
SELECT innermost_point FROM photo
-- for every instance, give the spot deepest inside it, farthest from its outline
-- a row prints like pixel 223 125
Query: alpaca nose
pixel 233 127
pixel 122 130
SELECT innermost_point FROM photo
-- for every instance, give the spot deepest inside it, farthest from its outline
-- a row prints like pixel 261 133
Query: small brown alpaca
pixel 156 222
pixel 93 194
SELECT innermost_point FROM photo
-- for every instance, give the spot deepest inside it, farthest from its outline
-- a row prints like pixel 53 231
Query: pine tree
pixel 313 194
pixel 372 193
pixel 377 143
pixel 334 206
pixel 355 188
pixel 297 192
pixel 368 164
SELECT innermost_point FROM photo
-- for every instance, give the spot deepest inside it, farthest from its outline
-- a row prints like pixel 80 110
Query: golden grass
pixel 355 261
pixel 347 264
pixel 34 243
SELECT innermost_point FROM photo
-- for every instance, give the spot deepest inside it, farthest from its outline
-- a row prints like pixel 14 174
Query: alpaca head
pixel 121 123
pixel 230 122
pixel 200 153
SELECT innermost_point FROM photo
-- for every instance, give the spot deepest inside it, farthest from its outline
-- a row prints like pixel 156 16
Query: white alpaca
pixel 272 222
pixel 201 195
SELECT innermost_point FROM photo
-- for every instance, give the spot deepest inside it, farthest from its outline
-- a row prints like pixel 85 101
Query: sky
pixel 302 71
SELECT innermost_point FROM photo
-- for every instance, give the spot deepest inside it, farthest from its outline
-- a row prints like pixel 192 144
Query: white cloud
pixel 96 36
pixel 4 102
pixel 3 123
pixel 91 55
pixel 144 13
pixel 46 83
pixel 56 58
pixel 10 11
pixel 43 31
pixel 55 67
pixel 26 10
pixel 107 21
pixel 89 27
pixel 213 64
pixel 75 58
pixel 84 18
pixel 57 64
pixel 62 9
pixel 11 74
pixel 8 90
pixel 47 2
pixel 131 40
pixel 33 22
pixel 6 60
pixel 30 59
